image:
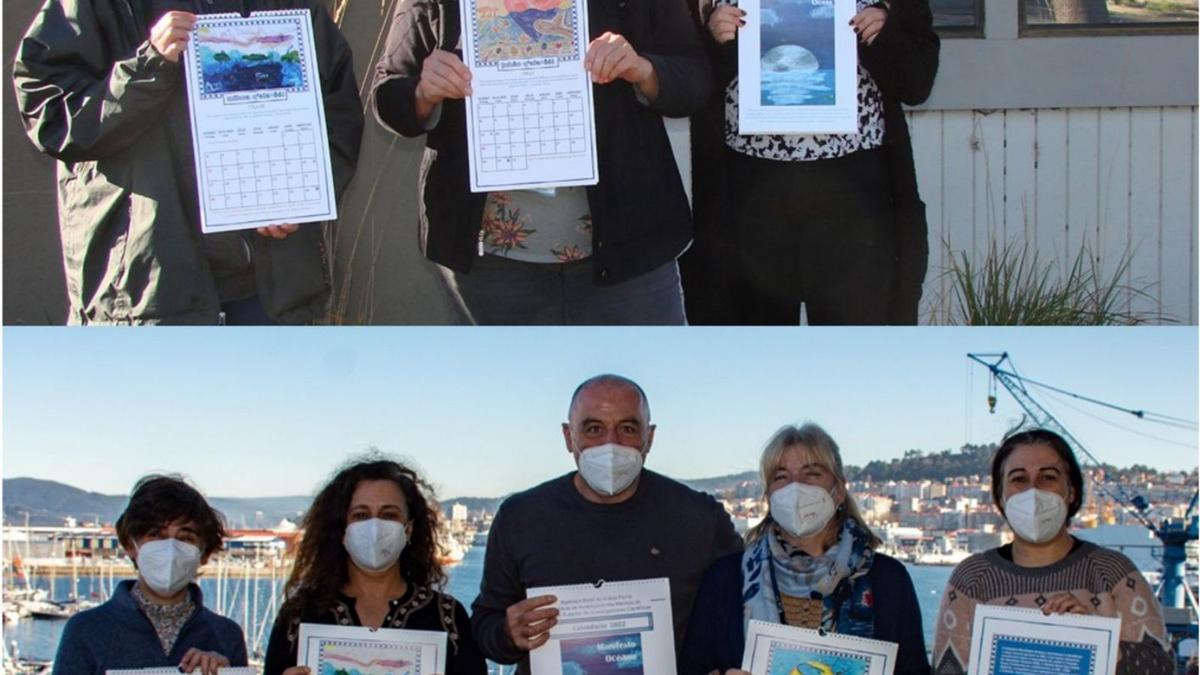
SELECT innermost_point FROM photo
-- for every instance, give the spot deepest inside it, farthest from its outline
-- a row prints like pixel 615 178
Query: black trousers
pixel 815 233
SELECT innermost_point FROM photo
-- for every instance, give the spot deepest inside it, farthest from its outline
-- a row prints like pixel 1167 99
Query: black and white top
pixel 806 148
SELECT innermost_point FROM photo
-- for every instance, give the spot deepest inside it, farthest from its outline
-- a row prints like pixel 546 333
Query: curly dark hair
pixel 322 565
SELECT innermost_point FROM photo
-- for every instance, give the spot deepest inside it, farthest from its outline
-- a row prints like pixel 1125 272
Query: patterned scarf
pixel 837 578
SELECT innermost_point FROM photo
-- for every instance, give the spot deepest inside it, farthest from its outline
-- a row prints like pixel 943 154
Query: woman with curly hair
pixel 369 558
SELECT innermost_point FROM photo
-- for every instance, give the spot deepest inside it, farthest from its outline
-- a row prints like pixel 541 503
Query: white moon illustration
pixel 790 59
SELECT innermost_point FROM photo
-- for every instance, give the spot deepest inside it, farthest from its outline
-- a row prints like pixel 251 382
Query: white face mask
pixel 375 544
pixel 802 509
pixel 1035 515
pixel 610 468
pixel 167 565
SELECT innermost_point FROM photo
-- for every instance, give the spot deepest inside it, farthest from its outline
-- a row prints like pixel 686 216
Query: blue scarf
pixel 838 578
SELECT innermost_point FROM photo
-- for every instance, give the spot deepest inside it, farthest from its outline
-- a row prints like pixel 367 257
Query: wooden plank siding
pixel 1116 183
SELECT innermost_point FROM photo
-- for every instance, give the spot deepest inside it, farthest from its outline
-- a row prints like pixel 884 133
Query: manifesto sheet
pixel 331 650
pixel 617 628
pixel 530 120
pixel 797 67
pixel 258 123
pixel 1022 641
pixel 776 649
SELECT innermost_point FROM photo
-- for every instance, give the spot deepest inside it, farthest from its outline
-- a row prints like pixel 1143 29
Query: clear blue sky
pixel 259 412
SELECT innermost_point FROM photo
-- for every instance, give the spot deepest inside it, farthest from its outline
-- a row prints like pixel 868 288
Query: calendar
pixel 530 120
pixel 258 123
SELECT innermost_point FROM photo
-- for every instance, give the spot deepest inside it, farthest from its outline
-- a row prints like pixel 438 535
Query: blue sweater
pixel 118 635
pixel 716 636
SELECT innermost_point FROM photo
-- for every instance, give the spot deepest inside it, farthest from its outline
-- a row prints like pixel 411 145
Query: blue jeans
pixel 500 291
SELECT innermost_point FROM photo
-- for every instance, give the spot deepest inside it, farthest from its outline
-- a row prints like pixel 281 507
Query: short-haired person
pixel 1037 486
pixel 611 519
pixel 369 557
pixel 811 563
pixel 159 620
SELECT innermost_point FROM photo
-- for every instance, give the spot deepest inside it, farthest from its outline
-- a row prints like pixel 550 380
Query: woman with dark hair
pixel 811 563
pixel 830 222
pixel 168 530
pixel 1037 486
pixel 369 557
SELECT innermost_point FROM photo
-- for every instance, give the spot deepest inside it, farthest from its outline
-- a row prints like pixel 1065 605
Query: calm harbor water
pixel 38 639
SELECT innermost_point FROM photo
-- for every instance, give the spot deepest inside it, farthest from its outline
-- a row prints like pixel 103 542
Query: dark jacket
pixel 549 535
pixel 96 96
pixel 640 213
pixel 716 635
pixel 903 61
pixel 117 636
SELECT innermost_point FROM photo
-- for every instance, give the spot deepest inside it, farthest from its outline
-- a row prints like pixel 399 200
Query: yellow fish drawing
pixel 821 668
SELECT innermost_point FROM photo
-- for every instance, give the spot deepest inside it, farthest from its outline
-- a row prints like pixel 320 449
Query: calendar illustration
pixel 530 120
pixel 258 122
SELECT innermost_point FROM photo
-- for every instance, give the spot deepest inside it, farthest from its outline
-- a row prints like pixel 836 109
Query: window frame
pixel 1036 30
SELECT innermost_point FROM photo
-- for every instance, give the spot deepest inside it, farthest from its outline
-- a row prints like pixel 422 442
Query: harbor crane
pixel 1177 599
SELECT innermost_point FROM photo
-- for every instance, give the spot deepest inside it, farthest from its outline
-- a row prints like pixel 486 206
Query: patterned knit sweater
pixel 1100 578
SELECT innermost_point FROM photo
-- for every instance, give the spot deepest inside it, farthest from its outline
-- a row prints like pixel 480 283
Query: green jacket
pixel 97 97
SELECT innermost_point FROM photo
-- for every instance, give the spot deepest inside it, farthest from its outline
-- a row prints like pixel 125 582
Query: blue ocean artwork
pixel 606 655
pixel 798 66
pixel 795 661
pixel 232 63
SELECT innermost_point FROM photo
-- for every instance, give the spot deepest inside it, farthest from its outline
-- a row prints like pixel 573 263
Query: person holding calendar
pixel 604 254
pixel 100 88
pixel 811 563
pixel 832 223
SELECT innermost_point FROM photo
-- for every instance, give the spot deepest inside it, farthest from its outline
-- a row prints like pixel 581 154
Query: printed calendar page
pixel 530 121
pixel 258 122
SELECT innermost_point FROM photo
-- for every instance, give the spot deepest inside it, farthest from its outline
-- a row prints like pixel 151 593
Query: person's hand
pixel 528 626
pixel 724 23
pixel 1065 603
pixel 443 76
pixel 280 231
pixel 298 670
pixel 205 663
pixel 868 23
pixel 170 35
pixel 611 57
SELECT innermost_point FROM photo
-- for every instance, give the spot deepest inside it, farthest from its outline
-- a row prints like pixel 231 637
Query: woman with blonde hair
pixel 811 563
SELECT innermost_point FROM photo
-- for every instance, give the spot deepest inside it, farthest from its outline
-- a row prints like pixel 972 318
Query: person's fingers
pixel 290 228
pixel 457 85
pixel 626 64
pixel 451 59
pixel 536 615
pixel 598 54
pixel 538 641
pixel 440 87
pixel 190 657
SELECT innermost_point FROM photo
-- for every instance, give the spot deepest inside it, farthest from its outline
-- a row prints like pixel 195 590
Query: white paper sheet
pixel 258 122
pixel 1023 641
pixel 776 649
pixel 530 119
pixel 619 627
pixel 175 671
pixel 332 649
pixel 797 67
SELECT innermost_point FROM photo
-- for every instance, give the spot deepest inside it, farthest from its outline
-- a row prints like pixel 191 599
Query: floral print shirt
pixel 538 226
pixel 801 147
pixel 167 620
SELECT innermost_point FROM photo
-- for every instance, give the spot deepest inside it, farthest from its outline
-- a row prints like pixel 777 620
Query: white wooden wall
pixel 1119 179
